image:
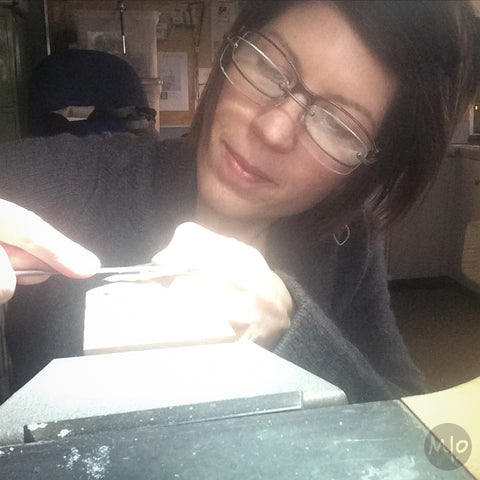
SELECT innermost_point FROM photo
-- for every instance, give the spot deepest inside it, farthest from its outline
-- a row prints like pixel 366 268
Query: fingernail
pixel 82 262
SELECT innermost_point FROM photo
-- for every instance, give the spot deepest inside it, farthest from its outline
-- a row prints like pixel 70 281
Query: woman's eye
pixel 332 124
pixel 269 70
pixel 336 128
pixel 266 76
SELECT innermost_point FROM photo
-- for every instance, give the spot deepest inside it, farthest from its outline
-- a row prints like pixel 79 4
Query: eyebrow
pixel 335 98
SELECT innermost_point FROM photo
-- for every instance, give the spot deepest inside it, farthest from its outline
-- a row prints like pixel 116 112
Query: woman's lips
pixel 246 170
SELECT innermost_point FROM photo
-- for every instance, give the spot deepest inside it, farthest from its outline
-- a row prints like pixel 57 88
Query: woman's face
pixel 259 163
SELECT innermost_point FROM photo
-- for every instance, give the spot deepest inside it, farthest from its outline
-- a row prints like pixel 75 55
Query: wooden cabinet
pixel 12 74
pixel 466 209
pixel 471 187
pixel 429 242
pixel 419 246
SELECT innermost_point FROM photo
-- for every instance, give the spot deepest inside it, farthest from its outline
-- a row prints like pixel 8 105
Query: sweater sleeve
pixel 103 191
pixel 44 173
pixel 363 353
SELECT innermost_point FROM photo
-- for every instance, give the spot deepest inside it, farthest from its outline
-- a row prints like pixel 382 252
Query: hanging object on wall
pixel 121 8
pixel 100 30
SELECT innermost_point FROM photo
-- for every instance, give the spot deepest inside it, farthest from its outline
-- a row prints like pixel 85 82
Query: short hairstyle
pixel 431 48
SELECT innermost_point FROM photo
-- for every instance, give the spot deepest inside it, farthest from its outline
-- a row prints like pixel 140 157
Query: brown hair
pixel 431 47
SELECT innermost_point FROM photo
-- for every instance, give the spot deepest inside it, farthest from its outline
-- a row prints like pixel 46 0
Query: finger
pixel 271 319
pixel 32 279
pixel 243 316
pixel 240 328
pixel 24 229
pixel 187 248
pixel 260 337
pixel 21 260
pixel 7 278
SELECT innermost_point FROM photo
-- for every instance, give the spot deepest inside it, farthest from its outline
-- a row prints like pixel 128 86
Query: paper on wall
pixel 173 70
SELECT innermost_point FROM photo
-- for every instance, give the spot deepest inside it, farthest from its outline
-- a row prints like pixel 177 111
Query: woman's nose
pixel 278 125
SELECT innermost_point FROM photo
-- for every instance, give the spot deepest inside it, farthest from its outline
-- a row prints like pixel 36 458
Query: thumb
pixel 7 278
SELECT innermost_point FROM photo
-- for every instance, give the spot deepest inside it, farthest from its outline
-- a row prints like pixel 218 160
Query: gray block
pixel 88 386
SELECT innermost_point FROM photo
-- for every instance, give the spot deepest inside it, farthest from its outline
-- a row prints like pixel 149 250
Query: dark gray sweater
pixel 122 196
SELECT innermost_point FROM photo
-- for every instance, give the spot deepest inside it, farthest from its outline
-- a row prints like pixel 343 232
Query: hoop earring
pixel 345 236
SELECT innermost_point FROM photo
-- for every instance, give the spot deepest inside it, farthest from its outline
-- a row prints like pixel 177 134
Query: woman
pixel 321 123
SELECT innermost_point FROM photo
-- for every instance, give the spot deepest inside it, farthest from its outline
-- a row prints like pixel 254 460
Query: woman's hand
pixel 237 278
pixel 28 242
